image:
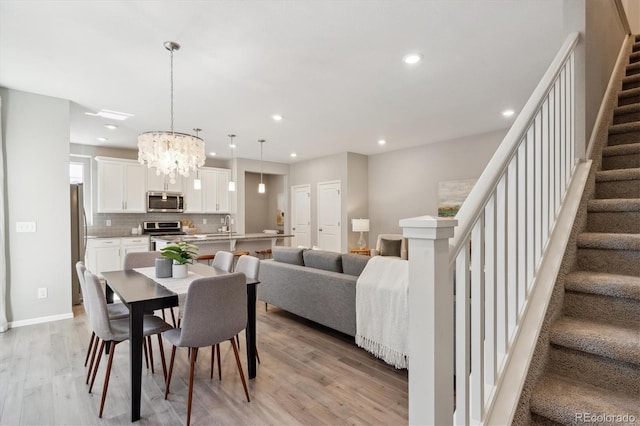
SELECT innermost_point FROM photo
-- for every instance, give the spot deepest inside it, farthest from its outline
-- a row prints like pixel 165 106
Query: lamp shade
pixel 360 225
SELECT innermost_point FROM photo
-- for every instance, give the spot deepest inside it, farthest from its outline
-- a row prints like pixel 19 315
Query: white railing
pixel 492 264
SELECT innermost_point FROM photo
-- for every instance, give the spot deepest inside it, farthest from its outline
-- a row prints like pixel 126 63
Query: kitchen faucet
pixel 227 223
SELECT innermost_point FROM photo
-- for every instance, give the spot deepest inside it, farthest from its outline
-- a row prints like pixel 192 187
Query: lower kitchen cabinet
pixel 107 254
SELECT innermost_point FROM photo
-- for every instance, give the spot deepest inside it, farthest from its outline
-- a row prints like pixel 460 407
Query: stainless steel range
pixel 170 227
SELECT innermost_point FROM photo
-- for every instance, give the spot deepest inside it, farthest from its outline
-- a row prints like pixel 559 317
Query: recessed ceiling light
pixel 113 115
pixel 111 126
pixel 103 139
pixel 382 142
pixel 213 154
pixel 277 117
pixel 294 155
pixel 508 113
pixel 412 58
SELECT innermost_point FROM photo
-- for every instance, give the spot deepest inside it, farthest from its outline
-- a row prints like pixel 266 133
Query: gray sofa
pixel 315 284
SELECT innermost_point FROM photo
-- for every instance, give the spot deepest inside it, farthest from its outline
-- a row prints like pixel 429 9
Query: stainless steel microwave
pixel 165 202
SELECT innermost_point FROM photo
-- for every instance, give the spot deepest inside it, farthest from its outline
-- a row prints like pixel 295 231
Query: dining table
pixel 143 293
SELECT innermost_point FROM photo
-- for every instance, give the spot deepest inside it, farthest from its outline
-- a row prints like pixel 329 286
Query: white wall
pixel 632 8
pixel 36 140
pixel 404 183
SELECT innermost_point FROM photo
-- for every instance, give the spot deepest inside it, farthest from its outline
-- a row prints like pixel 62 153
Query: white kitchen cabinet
pixel 107 254
pixel 121 186
pixel 156 183
pixel 103 254
pixel 213 196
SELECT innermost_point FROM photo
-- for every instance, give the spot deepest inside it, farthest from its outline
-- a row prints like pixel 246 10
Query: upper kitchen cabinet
pixel 213 196
pixel 121 186
pixel 156 183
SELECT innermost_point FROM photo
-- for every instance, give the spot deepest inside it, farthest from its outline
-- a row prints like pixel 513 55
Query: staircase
pixel 594 358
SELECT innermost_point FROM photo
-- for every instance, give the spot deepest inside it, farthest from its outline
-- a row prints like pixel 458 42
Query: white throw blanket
pixel 382 310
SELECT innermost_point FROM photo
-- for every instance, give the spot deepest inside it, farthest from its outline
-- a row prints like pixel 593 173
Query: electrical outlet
pixel 42 293
pixel 108 222
pixel 204 221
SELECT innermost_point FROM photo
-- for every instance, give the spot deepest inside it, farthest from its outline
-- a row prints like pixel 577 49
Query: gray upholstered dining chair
pixel 250 267
pixel 141 259
pixel 223 260
pixel 215 310
pixel 115 310
pixel 114 331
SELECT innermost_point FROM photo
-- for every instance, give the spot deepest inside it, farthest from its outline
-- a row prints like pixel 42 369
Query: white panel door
pixel 110 187
pixel 223 190
pixel 301 215
pixel 192 196
pixel 135 188
pixel 329 207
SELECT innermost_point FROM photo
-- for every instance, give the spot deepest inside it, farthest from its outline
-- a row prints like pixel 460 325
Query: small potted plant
pixel 181 254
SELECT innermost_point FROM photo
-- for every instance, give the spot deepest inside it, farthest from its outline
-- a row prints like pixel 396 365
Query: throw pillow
pixel 288 255
pixel 390 247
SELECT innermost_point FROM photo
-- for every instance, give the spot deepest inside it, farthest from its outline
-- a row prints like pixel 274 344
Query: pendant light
pixel 197 183
pixel 168 151
pixel 261 187
pixel 232 184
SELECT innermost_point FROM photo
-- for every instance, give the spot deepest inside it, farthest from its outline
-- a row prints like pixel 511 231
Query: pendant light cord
pixel 171 50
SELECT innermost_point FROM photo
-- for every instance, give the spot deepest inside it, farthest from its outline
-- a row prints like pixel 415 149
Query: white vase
pixel 180 271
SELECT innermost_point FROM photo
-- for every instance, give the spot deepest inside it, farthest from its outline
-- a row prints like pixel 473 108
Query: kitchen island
pixel 212 243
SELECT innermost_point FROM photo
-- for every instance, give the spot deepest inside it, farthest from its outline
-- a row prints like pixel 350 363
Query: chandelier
pixel 168 151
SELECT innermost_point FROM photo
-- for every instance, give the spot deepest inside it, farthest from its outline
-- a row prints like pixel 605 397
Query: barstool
pixel 207 257
pixel 236 256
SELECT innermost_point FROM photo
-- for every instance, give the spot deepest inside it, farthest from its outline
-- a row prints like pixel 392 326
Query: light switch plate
pixel 25 227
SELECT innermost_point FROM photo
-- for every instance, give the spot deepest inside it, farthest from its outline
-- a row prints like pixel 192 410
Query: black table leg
pixel 136 316
pixel 251 330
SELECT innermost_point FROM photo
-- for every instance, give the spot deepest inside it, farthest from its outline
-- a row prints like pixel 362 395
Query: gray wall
pixel 404 183
pixel 604 37
pixel 36 143
pixel 357 189
pixel 632 8
pixel 260 209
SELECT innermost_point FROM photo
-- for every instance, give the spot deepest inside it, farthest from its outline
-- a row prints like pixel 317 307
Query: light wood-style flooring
pixel 309 375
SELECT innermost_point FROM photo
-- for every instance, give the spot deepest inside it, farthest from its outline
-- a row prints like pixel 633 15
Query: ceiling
pixel 332 68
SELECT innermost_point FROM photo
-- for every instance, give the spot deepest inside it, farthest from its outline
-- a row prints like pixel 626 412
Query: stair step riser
pixel 623 262
pixel 618 189
pixel 629 161
pixel 606 373
pixel 606 309
pixel 632 71
pixel 631 117
pixel 623 138
pixel 634 58
pixel 614 222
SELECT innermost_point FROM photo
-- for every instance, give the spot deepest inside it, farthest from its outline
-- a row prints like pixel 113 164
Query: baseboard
pixel 40 320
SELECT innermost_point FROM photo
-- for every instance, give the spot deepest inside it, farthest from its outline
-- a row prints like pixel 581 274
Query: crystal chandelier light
pixel 168 151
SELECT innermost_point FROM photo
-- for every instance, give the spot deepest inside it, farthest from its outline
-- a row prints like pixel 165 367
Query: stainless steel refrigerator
pixel 78 237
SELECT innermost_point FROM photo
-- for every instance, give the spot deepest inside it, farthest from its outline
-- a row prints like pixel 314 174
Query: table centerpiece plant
pixel 182 254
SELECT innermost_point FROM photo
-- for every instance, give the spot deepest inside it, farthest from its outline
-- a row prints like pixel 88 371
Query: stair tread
pixel 614 205
pixel 629 92
pixel 618 174
pixel 607 340
pixel 561 399
pixel 631 78
pixel 609 241
pixel 624 149
pixel 632 67
pixel 604 284
pixel 628 109
pixel 633 126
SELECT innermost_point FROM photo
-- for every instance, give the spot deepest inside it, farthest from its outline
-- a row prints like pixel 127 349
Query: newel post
pixel 430 320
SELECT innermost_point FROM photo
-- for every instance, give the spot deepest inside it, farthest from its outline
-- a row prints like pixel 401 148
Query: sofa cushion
pixel 353 264
pixel 322 259
pixel 390 247
pixel 290 255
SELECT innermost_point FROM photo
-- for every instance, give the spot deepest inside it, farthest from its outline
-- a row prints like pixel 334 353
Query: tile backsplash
pixel 121 223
